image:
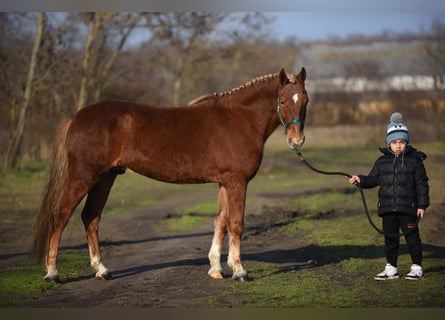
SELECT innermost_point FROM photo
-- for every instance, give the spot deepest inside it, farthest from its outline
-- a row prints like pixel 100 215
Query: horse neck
pixel 261 101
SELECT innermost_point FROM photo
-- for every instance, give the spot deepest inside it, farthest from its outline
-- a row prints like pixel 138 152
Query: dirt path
pixel 167 271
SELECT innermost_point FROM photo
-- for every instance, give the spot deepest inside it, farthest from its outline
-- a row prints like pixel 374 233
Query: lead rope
pixel 300 155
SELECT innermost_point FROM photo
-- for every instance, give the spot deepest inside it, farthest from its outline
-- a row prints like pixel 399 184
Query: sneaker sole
pixel 413 278
pixel 386 278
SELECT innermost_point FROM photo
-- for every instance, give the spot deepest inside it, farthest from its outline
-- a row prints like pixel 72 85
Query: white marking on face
pixel 295 97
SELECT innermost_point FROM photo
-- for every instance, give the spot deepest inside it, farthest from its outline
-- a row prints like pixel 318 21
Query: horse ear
pixel 302 74
pixel 283 77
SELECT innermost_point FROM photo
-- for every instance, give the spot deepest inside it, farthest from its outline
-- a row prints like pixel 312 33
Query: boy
pixel 403 196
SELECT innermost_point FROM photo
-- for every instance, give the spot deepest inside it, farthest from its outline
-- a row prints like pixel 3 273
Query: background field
pixel 307 241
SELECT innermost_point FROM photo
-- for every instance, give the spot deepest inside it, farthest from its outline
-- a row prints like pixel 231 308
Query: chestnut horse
pixel 218 138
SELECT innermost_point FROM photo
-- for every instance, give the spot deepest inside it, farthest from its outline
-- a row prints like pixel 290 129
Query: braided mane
pixel 247 84
pixel 234 90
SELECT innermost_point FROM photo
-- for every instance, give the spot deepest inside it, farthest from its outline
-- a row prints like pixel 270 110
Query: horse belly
pixel 174 169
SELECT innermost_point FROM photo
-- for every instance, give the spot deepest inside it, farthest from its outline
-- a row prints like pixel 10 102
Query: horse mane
pixel 248 84
pixel 201 98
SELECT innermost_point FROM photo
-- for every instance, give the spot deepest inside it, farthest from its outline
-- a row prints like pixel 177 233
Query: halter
pixel 292 122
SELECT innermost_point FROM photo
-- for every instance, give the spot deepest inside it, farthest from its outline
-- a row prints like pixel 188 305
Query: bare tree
pixel 15 142
pixel 97 59
pixel 94 24
pixel 179 43
pixel 190 44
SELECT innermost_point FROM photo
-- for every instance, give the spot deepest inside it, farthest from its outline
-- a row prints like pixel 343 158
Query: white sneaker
pixel 389 273
pixel 416 273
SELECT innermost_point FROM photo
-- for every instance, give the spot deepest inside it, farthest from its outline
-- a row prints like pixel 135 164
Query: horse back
pixel 190 144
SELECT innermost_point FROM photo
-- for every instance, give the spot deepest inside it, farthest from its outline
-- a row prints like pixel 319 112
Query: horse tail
pixel 46 218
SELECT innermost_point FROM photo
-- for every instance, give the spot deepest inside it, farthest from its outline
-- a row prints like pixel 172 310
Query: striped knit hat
pixel 396 129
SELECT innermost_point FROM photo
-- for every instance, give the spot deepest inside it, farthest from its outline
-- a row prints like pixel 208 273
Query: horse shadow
pixel 309 256
pixel 313 256
pixel 306 257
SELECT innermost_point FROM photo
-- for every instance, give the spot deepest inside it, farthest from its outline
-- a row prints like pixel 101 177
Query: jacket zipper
pixel 396 167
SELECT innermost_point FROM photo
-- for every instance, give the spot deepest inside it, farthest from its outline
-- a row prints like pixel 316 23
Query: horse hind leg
pixel 236 196
pixel 68 202
pixel 91 214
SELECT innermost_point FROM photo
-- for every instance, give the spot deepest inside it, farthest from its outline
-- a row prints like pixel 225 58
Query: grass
pixel 209 208
pixel 16 285
pixel 179 224
pixel 20 282
pixel 332 221
pixel 351 254
pixel 346 284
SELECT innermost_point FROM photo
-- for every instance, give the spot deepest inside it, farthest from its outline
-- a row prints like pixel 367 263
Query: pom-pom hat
pixel 396 129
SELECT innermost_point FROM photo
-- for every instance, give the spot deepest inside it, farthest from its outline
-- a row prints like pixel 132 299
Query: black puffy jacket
pixel 402 179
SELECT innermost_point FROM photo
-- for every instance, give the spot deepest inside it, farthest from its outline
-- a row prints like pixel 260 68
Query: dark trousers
pixel 392 223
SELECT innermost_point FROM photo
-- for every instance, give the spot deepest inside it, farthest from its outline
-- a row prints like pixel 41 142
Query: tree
pixel 97 59
pixel 189 45
pixel 179 43
pixel 12 153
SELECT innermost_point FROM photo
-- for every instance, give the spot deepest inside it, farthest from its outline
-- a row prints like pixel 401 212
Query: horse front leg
pixel 91 213
pixel 218 238
pixel 236 197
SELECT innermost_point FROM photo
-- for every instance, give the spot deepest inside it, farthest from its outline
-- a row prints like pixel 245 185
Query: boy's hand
pixel 420 213
pixel 354 180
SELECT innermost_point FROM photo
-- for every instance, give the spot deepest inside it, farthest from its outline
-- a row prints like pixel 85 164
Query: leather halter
pixel 290 123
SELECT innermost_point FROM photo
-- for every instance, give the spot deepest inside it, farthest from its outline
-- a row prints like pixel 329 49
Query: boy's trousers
pixel 392 223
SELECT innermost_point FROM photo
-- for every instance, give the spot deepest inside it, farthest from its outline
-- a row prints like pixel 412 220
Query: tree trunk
pixel 106 70
pixel 93 27
pixel 12 154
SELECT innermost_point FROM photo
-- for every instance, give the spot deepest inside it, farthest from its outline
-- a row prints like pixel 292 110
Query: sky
pixel 323 25
pixel 303 19
pixel 316 25
pixel 223 5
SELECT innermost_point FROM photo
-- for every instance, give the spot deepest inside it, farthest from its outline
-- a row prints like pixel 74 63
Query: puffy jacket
pixel 402 179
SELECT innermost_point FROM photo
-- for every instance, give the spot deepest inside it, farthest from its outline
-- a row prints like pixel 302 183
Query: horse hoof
pixel 54 279
pixel 105 276
pixel 245 278
pixel 216 275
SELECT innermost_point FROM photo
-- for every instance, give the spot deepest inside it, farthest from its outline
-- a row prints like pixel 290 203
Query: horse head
pixel 291 107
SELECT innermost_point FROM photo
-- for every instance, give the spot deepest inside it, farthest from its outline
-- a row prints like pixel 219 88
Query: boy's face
pixel 398 146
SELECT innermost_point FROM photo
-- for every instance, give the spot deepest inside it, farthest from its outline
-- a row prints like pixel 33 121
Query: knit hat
pixel 396 129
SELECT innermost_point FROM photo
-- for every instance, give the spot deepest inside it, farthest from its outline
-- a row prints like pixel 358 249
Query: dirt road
pixel 150 270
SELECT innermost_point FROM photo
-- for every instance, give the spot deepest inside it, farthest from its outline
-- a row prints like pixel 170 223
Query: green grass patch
pixel 183 223
pixel 346 284
pixel 20 282
pixel 293 289
pixel 209 208
pixel 331 217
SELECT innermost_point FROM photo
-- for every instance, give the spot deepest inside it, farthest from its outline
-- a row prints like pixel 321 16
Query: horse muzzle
pixel 295 143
